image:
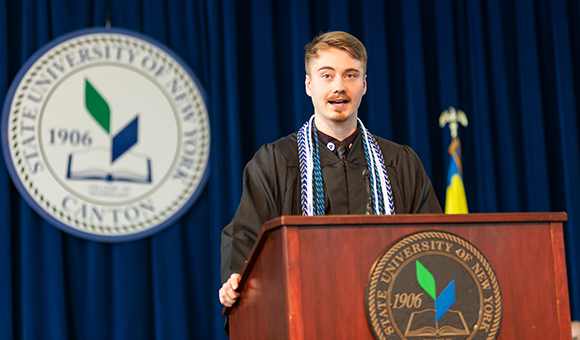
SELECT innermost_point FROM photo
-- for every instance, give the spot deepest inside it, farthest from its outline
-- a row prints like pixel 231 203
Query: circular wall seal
pixel 433 285
pixel 106 134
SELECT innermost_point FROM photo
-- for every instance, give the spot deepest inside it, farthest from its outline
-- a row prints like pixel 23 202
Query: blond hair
pixel 336 39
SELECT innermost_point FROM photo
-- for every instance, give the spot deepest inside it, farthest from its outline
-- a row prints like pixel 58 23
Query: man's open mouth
pixel 339 101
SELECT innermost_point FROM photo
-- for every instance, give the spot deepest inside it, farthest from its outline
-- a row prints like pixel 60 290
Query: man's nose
pixel 339 86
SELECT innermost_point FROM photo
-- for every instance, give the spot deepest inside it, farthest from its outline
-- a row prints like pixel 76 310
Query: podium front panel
pixel 307 280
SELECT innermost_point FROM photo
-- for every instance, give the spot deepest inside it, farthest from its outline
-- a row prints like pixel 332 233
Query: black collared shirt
pixel 332 143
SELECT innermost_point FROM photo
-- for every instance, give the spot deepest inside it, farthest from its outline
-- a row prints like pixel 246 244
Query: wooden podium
pixel 306 276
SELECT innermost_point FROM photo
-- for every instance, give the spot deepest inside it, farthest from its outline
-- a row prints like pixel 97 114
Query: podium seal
pixel 433 285
pixel 106 134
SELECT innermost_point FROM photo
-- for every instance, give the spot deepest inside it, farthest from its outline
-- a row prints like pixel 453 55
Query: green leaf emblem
pixel 97 107
pixel 426 280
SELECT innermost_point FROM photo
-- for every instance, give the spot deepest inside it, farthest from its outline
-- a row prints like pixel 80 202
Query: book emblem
pixel 106 134
pixel 103 163
pixel 433 285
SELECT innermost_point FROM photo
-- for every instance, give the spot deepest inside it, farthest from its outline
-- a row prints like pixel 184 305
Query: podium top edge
pixel 329 220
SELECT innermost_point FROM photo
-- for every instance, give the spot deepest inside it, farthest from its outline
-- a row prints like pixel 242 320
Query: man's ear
pixel 365 85
pixel 308 85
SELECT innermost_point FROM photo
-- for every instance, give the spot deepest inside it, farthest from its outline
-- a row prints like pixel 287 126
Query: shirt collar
pixel 332 143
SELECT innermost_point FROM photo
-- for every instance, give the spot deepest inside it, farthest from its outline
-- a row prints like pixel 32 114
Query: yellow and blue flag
pixel 455 201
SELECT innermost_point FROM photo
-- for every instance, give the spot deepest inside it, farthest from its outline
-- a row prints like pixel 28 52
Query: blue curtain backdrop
pixel 513 66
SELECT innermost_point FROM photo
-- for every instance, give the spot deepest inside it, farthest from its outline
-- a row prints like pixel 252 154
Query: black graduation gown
pixel 271 189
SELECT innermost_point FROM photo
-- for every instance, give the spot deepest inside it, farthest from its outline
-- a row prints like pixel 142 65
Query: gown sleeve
pixel 418 196
pixel 263 188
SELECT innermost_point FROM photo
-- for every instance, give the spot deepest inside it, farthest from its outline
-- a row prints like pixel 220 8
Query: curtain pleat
pixel 338 15
pixel 169 290
pixel 512 66
pixel 52 276
pixel 88 289
pixel 479 109
pixel 224 187
pixel 265 125
pixel 299 34
pixel 130 283
pixel 6 236
pixel 501 114
pixel 567 160
pixel 199 273
pixel 446 55
pixel 416 110
pixel 444 88
pixel 378 97
pixel 128 14
pixel 531 108
pixel 154 19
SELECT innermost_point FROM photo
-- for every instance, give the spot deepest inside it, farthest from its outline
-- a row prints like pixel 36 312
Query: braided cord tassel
pixel 380 183
pixel 303 181
pixel 305 160
pixel 318 186
pixel 377 166
pixel 385 181
pixel 311 187
pixel 372 167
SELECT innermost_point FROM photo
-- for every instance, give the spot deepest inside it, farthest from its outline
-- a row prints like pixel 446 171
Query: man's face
pixel 336 83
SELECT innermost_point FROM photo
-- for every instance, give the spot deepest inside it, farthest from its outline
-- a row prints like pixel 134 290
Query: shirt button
pixel 331 146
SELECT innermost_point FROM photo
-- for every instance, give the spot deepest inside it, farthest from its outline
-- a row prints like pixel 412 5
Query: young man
pixel 332 157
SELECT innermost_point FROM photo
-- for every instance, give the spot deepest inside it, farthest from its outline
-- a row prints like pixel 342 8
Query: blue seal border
pixel 8 158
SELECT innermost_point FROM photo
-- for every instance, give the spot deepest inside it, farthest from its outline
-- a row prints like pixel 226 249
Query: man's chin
pixel 339 117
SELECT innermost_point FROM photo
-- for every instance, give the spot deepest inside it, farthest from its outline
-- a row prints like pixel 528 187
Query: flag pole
pixel 455 199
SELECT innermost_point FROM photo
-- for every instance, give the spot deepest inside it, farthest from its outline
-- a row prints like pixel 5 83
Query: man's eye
pixel 351 76
pixel 326 76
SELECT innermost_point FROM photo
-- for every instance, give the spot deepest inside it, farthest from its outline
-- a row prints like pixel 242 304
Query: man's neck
pixel 338 130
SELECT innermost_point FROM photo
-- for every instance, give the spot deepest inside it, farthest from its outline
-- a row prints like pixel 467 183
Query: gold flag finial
pixel 452 117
